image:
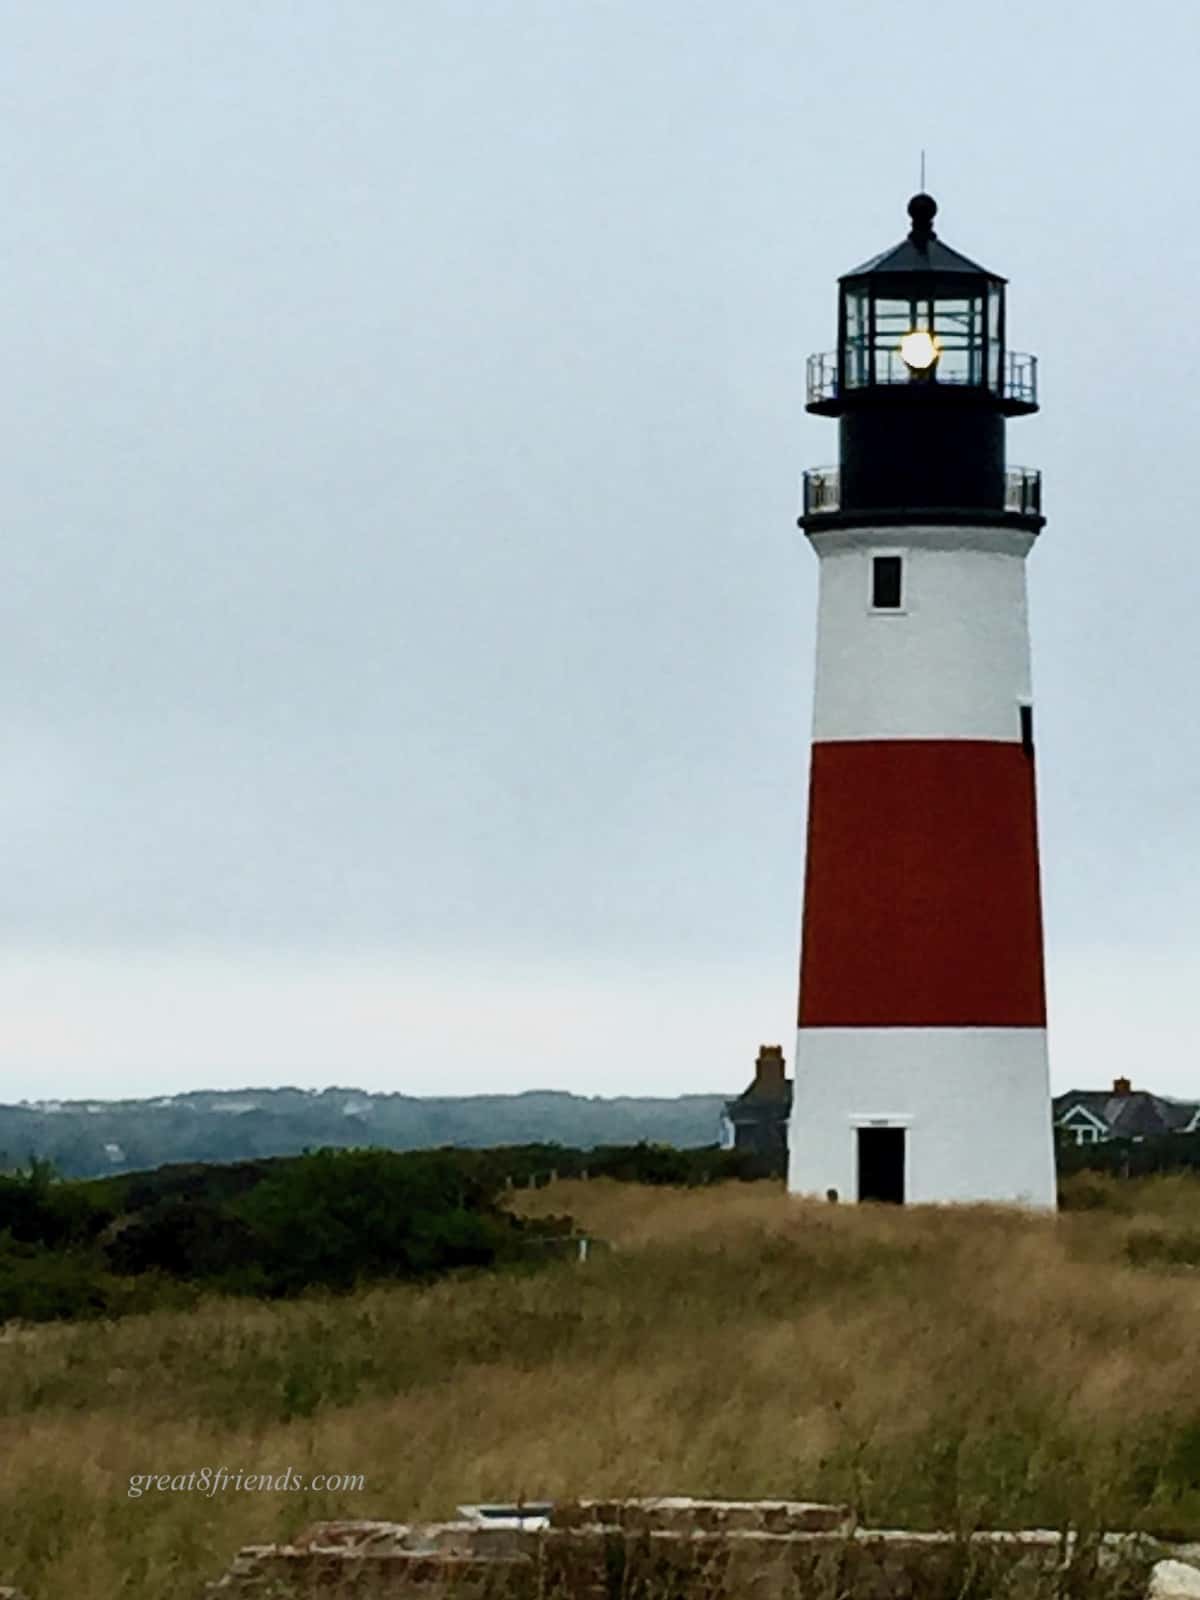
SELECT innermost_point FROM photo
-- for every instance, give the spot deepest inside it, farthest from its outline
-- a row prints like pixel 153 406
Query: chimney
pixel 1122 1086
pixel 768 1073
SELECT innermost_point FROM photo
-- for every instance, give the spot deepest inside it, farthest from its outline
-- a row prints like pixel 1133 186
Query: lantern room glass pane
pixel 958 329
pixel 965 327
pixel 965 322
pixel 893 319
pixel 857 355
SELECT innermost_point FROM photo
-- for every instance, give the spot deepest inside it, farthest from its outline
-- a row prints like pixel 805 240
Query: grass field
pixel 935 1368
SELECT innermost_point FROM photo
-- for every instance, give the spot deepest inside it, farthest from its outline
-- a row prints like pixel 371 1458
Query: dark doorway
pixel 885 583
pixel 881 1164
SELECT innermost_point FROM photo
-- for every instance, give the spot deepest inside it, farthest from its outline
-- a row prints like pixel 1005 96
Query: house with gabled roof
pixel 758 1119
pixel 1123 1112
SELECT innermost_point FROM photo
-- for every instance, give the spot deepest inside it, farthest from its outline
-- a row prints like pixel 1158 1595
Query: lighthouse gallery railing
pixel 1022 491
pixel 1018 381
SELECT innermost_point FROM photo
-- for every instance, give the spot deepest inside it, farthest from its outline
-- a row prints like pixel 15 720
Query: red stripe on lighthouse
pixel 922 905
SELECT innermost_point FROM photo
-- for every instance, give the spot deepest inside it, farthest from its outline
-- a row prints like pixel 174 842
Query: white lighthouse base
pixel 973 1105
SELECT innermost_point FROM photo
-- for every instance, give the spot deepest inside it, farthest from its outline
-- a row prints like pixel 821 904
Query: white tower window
pixel 887 583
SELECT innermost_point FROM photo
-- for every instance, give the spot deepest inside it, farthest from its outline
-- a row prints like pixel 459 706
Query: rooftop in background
pixel 1123 1112
pixel 758 1119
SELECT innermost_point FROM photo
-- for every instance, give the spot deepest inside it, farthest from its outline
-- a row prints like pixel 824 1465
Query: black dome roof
pixel 922 251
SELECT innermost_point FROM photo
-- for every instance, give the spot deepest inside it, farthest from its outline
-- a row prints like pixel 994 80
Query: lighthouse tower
pixel 920 1069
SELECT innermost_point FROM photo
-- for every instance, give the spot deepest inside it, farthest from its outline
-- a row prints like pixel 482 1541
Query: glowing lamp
pixel 919 350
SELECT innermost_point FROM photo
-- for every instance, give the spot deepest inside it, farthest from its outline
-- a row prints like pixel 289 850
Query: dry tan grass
pixel 960 1367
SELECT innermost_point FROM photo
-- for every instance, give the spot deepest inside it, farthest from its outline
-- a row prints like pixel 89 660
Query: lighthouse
pixel 921 1072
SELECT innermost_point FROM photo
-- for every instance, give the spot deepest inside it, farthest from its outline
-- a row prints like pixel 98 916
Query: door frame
pixel 902 1121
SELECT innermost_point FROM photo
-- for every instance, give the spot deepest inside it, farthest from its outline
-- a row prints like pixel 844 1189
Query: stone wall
pixel 671 1548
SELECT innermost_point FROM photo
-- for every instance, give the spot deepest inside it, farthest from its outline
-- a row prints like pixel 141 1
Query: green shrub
pixel 1094 1191
pixel 34 1209
pixel 39 1285
pixel 1178 1247
pixel 185 1238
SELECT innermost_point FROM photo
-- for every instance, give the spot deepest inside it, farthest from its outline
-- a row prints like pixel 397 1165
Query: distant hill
pixel 84 1138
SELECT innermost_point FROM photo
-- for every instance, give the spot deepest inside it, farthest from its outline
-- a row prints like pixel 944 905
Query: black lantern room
pixel 921 383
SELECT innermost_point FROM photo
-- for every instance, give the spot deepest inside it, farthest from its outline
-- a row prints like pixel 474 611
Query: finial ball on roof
pixel 922 208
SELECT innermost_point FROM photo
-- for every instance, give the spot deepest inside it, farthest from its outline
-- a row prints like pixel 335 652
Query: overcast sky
pixel 406 643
